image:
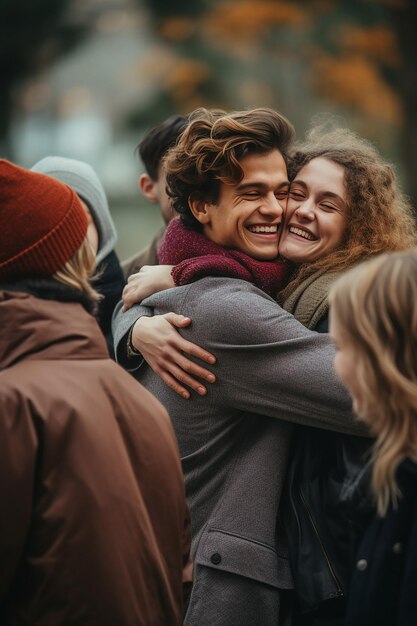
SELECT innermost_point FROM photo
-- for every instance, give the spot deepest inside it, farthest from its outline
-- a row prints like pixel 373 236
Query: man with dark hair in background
pixel 151 150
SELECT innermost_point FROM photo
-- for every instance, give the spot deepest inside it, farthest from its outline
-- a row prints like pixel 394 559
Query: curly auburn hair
pixel 379 217
pixel 211 148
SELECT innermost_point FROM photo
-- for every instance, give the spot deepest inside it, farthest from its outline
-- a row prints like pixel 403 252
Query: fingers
pixel 179 321
pixel 132 294
pixel 199 353
pixel 132 277
pixel 173 384
pixel 176 371
pixel 181 345
pixel 183 369
pixel 192 369
pixel 136 288
pixel 175 378
pixel 128 296
pixel 184 379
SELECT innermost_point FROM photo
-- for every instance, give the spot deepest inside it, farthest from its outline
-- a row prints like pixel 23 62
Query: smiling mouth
pixel 302 233
pixel 272 229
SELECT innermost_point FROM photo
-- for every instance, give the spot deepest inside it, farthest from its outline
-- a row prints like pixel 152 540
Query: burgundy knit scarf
pixel 195 257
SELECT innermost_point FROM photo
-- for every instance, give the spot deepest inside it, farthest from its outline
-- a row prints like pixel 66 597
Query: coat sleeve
pixel 267 362
pixel 18 451
pixel 122 322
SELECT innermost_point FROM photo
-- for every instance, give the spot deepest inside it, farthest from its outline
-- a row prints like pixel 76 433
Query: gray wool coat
pixel 234 442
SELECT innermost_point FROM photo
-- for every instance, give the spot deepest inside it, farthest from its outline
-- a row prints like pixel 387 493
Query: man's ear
pixel 148 188
pixel 200 209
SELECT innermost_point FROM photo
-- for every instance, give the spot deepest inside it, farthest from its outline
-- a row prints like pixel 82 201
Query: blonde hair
pixel 375 308
pixel 379 217
pixel 77 272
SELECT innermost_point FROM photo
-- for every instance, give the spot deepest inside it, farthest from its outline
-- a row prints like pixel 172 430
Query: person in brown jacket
pixel 94 526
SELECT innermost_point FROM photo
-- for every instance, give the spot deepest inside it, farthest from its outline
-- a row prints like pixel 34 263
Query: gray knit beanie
pixel 84 181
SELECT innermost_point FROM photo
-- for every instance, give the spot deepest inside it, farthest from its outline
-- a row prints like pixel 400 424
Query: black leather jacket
pixel 327 507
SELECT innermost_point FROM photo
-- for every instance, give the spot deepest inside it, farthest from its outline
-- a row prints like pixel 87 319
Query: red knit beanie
pixel 42 223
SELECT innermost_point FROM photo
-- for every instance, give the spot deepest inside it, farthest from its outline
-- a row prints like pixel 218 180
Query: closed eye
pixel 281 195
pixel 297 195
pixel 329 207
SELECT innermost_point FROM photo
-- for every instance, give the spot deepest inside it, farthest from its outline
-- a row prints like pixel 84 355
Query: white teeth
pixel 301 233
pixel 263 229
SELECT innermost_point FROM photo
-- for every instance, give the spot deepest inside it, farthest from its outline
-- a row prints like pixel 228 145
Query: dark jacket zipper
pixel 323 549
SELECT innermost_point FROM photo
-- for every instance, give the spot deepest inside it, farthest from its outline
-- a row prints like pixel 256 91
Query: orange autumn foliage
pixel 186 76
pixel 354 81
pixel 378 42
pixel 252 19
pixel 177 29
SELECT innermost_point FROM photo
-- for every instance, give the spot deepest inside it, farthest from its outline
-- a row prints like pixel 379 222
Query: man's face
pixel 248 214
pixel 155 192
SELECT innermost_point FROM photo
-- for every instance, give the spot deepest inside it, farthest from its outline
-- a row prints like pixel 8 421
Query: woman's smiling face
pixel 315 216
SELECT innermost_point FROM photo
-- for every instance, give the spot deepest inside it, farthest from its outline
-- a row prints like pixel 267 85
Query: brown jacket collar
pixel 33 328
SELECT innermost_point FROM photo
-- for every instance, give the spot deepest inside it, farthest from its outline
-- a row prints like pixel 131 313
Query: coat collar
pixel 33 328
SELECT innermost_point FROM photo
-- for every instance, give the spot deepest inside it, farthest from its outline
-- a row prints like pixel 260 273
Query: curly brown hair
pixel 209 152
pixel 379 217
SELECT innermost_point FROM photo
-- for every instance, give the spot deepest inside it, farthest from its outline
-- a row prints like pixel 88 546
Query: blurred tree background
pixel 151 58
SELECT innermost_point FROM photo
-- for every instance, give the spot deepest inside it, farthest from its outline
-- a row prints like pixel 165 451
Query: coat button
pixel 397 548
pixel 215 558
pixel 362 564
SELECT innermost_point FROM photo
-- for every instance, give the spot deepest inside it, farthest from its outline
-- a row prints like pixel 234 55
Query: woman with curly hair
pixel 343 206
pixel 378 217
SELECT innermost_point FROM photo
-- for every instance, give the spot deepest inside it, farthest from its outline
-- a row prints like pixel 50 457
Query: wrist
pixel 131 349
